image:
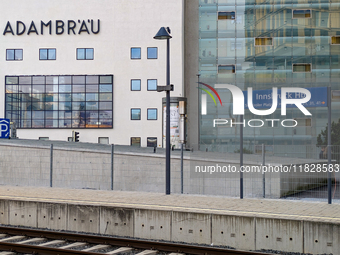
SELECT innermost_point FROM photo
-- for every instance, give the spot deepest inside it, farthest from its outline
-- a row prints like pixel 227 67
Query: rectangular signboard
pixel 4 128
pixel 262 99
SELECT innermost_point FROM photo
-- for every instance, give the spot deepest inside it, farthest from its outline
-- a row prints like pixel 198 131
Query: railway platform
pixel 247 224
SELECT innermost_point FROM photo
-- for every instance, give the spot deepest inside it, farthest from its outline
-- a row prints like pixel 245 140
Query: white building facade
pixel 89 66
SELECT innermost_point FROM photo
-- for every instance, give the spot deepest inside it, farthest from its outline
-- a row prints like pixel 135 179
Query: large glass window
pixel 78 101
pixel 261 45
pixel 47 54
pixel 14 54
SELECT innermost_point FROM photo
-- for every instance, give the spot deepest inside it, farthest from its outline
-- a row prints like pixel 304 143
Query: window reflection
pixel 135 53
pixel 59 101
pixel 270 44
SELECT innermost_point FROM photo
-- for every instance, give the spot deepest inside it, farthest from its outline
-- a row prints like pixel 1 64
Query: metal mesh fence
pixel 81 169
pixel 296 172
pixel 24 166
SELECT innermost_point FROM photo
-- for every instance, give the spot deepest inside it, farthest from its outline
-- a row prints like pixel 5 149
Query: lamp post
pixel 164 33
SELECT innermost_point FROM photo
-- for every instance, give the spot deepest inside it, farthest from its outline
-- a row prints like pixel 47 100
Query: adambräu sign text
pixel 58 27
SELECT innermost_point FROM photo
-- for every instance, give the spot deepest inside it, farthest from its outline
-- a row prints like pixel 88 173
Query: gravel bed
pixel 60 244
pixel 80 247
pixel 111 248
pixel 36 243
pixel 134 251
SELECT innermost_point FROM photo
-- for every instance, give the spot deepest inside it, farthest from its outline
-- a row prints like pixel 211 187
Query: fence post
pixel 263 174
pixel 51 165
pixel 112 164
pixel 329 143
pixel 181 168
pixel 241 157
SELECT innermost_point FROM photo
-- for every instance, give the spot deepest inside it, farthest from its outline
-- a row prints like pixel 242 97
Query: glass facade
pixel 264 44
pixel 71 101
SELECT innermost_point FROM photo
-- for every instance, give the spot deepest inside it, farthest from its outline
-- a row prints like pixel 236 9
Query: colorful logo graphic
pixel 208 92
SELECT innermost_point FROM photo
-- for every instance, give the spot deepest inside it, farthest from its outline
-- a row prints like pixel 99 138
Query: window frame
pixel 85 57
pixel 304 122
pixel 140 84
pixel 148 113
pixel 227 12
pixel 156 52
pixel 335 98
pixel 149 143
pixel 265 45
pixel 231 65
pixel 48 53
pixel 134 137
pixel 101 139
pixel 148 84
pixel 310 10
pixel 335 36
pixel 140 52
pixel 14 59
pixel 140 113
pixel 304 64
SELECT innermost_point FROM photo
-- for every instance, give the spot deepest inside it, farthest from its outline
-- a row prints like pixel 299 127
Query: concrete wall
pixel 240 232
pixel 24 166
pixel 191 35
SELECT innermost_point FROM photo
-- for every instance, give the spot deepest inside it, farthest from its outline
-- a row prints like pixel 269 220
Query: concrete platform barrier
pixel 82 218
pixel 240 232
pixel 52 216
pixel 152 224
pixel 4 217
pixel 321 238
pixel 23 213
pixel 233 231
pixel 191 227
pixel 279 234
pixel 116 221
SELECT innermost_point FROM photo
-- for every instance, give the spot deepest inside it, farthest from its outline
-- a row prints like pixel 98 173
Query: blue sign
pixel 262 99
pixel 4 128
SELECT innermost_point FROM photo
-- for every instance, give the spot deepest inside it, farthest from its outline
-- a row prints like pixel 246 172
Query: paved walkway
pixel 264 208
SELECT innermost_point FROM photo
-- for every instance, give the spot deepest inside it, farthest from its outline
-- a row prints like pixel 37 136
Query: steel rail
pixel 97 239
pixel 25 248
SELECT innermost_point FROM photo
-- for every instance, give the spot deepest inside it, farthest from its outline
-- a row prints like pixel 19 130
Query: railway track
pixel 32 241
